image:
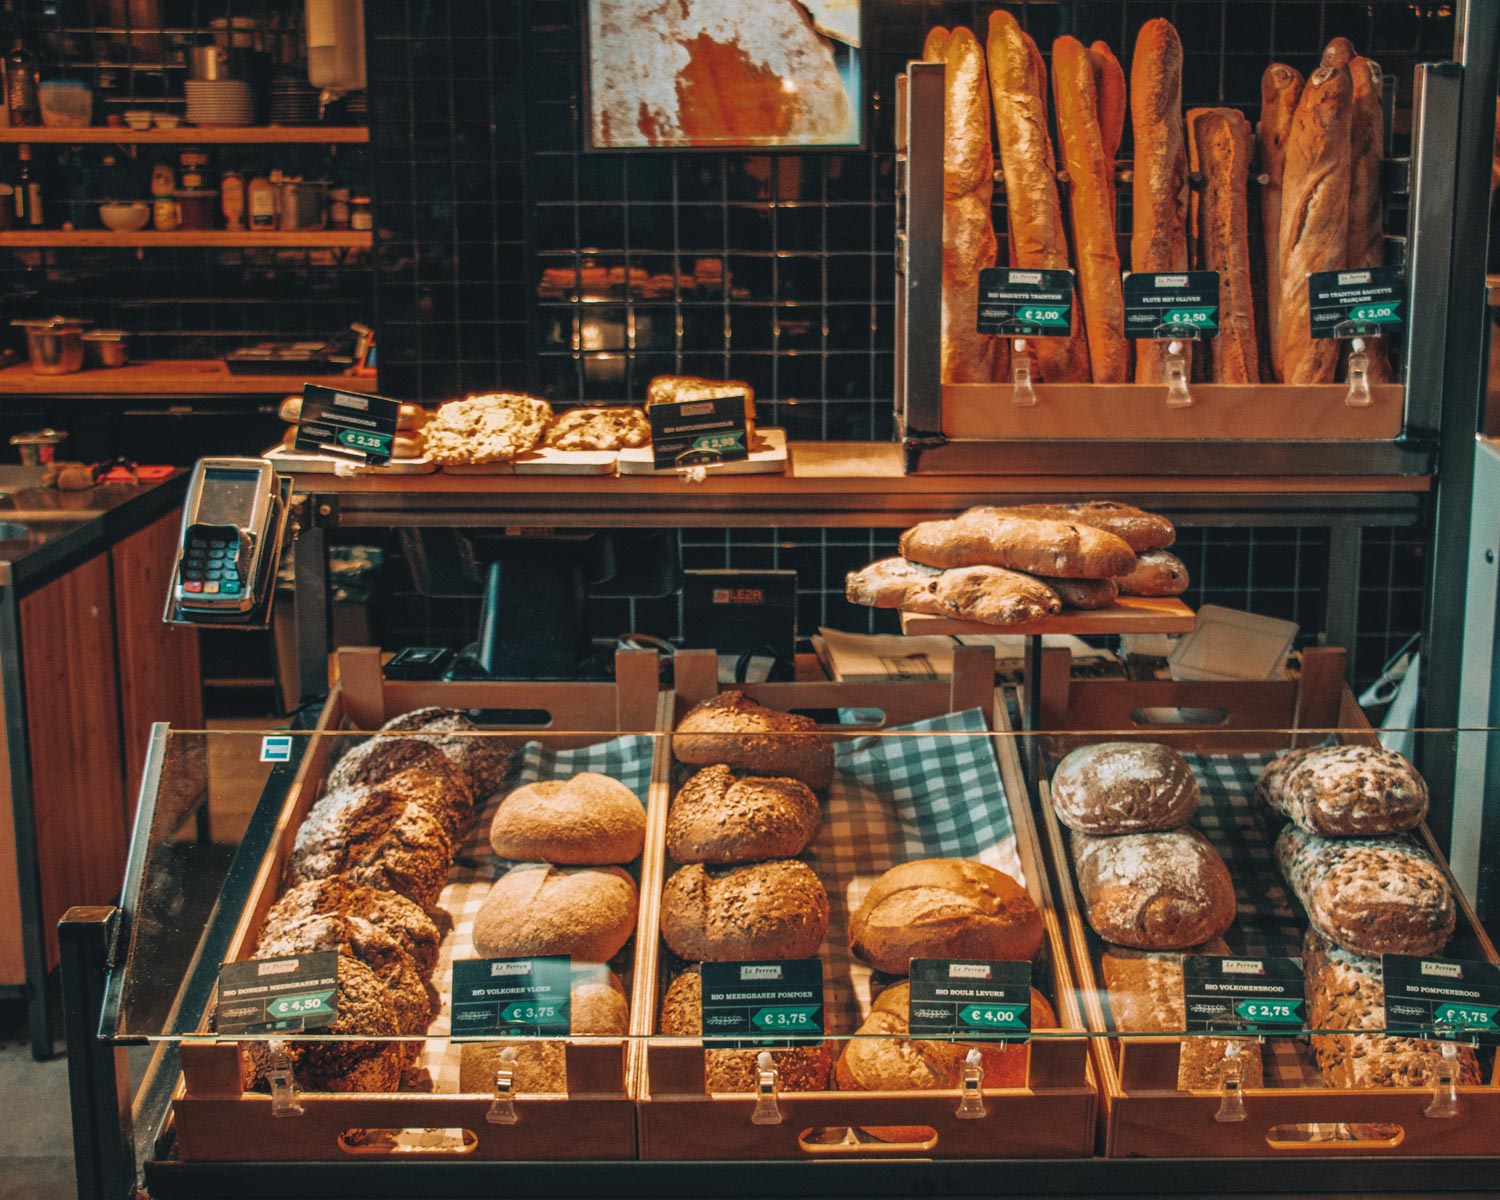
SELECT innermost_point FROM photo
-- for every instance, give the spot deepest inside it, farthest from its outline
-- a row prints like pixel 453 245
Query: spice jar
pixel 360 215
pixel 260 203
pixel 232 199
pixel 164 214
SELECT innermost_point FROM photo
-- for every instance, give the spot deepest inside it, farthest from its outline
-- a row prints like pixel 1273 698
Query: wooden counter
pixel 166 377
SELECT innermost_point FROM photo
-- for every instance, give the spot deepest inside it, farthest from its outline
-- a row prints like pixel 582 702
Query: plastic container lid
pixel 1229 644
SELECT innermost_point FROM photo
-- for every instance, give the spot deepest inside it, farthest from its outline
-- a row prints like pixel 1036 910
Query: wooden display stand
pixel 1052 1117
pixel 1143 1112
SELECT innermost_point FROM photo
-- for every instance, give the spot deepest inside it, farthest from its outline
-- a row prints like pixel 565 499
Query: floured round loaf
pixel 1154 891
pixel 720 817
pixel 1124 787
pixel 587 820
pixel 338 896
pixel 486 429
pixel 484 757
pixel 761 911
pixel 1345 791
pixel 799 1068
pixel 944 908
pixel 587 913
pixel 733 729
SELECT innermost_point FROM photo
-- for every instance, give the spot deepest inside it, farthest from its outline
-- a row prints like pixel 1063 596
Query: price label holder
pixel 1172 307
pixel 1022 304
pixel 513 997
pixel 1243 995
pixel 347 425
pixel 691 435
pixel 1352 306
pixel 1442 998
pixel 295 994
pixel 754 1005
pixel 970 999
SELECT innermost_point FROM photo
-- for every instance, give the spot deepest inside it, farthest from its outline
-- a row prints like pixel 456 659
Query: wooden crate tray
pixel 1128 614
pixel 216 1121
pixel 1053 1116
pixel 1143 1113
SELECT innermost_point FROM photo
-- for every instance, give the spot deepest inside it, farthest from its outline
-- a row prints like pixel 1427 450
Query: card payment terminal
pixel 231 525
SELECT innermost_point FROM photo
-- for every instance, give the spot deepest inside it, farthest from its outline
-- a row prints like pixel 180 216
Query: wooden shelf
pixel 168 377
pixel 349 239
pixel 214 135
pixel 1128 614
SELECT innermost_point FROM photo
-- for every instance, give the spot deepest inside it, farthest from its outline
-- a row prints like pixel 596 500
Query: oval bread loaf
pixel 761 911
pixel 338 896
pixel 1370 896
pixel 1154 891
pixel 1345 791
pixel 944 908
pixel 1124 787
pixel 587 820
pixel 587 913
pixel 483 757
pixel 996 538
pixel 718 817
pixel 733 729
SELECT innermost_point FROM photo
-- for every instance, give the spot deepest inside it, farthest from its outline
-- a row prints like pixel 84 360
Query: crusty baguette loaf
pixel 1090 199
pixel 1033 211
pixel 1156 573
pixel 991 595
pixel 1314 218
pixel 1160 190
pixel 1084 594
pixel 1280 89
pixel 1154 891
pixel 1140 530
pixel 1124 787
pixel 1345 791
pixel 989 537
pixel 1109 93
pixel 969 245
pixel 1366 214
pixel 1339 52
pixel 935 47
pixel 1223 143
pixel 1372 896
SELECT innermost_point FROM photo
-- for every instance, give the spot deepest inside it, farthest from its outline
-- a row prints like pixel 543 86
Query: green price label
pixel 1034 314
pixel 1193 318
pixel 1282 1012
pixel 785 1017
pixel 358 439
pixel 309 1004
pixel 1375 314
pixel 993 1016
pixel 529 1014
pixel 719 441
pixel 1467 1016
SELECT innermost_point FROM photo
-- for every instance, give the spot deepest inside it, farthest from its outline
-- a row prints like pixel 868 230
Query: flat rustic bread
pixel 1345 791
pixel 486 429
pixel 619 428
pixel 989 537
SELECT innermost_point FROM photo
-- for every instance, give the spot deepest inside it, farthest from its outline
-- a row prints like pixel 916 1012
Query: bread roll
pixel 799 1068
pixel 1371 896
pixel 1037 239
pixel 587 913
pixel 718 817
pixel 587 820
pixel 1366 212
pixel 764 910
pixel 1154 891
pixel 1345 991
pixel 733 729
pixel 1109 93
pixel 1314 218
pixel 1124 787
pixel 990 537
pixel 1160 192
pixel 1223 145
pixel 1090 169
pixel 1156 573
pixel 484 757
pixel 944 908
pixel 1280 89
pixel 1137 528
pixel 337 896
pixel 1345 791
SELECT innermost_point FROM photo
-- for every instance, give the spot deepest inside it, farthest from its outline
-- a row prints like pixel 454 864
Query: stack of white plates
pixel 220 102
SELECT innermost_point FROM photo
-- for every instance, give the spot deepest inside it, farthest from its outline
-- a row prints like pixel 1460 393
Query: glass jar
pixel 360 214
pixel 338 207
pixel 164 214
pixel 232 199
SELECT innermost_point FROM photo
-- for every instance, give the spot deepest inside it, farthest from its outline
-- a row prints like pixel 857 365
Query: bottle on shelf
pixel 28 192
pixel 261 199
pixel 22 104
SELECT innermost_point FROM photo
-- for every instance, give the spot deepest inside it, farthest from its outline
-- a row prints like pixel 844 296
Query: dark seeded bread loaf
pixel 718 816
pixel 1345 791
pixel 760 911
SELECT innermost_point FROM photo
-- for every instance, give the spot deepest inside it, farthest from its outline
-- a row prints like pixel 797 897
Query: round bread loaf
pixel 338 896
pixel 588 820
pixel 1154 891
pixel 799 1068
pixel 483 756
pixel 761 911
pixel 733 729
pixel 718 817
pixel 1124 787
pixel 1345 791
pixel 375 837
pixel 944 908
pixel 536 909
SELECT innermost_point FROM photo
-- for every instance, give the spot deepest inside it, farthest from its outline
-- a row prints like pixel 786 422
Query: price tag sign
pixel 296 994
pixel 1350 304
pixel 1016 303
pixel 1446 998
pixel 971 998
pixel 1182 305
pixel 513 997
pixel 691 433
pixel 1243 995
pixel 748 1005
pixel 347 424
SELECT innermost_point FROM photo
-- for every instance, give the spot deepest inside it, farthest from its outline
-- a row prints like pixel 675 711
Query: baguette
pixel 1090 200
pixel 1314 218
pixel 1366 220
pixel 1159 193
pixel 935 48
pixel 1109 93
pixel 1037 239
pixel 983 537
pixel 1280 88
pixel 1222 143
pixel 1339 52
pixel 967 356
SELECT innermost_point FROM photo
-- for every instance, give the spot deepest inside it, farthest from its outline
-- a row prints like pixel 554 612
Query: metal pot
pixel 55 344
